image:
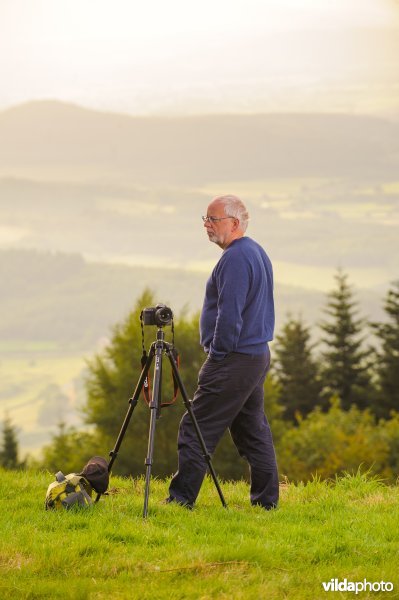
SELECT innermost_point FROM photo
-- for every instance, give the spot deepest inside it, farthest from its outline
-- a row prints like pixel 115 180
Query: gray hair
pixel 234 207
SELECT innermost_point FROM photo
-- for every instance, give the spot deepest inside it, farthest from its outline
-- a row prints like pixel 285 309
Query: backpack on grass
pixel 76 488
pixel 67 491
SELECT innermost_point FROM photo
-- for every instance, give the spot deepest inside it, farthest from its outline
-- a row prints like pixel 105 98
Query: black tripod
pixel 157 349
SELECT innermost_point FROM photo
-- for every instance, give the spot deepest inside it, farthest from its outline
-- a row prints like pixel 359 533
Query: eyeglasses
pixel 215 219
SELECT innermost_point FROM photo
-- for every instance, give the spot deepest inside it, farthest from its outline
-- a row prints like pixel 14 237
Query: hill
pixel 194 150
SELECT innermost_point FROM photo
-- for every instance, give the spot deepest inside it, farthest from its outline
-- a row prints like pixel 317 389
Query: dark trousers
pixel 229 395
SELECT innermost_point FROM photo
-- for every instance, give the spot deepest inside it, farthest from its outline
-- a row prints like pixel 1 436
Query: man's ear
pixel 236 224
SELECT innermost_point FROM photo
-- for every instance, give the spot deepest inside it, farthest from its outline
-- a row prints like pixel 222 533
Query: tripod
pixel 157 349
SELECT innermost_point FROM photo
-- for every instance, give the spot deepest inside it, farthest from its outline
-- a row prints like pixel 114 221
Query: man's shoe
pixel 271 506
pixel 183 503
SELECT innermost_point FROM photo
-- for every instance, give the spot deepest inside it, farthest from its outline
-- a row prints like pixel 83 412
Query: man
pixel 237 322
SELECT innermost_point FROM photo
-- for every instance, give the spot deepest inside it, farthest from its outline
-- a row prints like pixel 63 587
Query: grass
pixel 343 529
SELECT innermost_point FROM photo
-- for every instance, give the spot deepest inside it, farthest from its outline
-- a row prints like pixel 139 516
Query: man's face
pixel 219 232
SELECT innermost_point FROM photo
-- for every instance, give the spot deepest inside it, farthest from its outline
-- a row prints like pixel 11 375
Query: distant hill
pixel 193 150
pixel 64 299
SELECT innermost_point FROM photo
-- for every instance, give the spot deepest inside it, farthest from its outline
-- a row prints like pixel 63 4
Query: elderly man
pixel 237 322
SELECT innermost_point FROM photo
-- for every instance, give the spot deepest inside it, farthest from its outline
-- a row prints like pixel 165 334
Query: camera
pixel 161 315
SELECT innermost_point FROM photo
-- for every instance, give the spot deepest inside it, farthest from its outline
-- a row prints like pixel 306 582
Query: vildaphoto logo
pixel 335 585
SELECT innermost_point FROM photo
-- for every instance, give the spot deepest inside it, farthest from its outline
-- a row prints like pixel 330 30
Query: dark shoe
pixel 183 503
pixel 271 506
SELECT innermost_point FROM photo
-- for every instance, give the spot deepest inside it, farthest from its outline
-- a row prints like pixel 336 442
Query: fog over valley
pixel 322 190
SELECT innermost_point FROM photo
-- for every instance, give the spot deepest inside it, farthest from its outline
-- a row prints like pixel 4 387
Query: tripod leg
pixel 190 411
pixel 132 405
pixel 155 411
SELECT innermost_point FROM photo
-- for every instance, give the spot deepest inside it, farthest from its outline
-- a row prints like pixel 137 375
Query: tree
pixel 345 370
pixel 339 441
pixel 9 451
pixel 69 450
pixel 296 370
pixel 387 366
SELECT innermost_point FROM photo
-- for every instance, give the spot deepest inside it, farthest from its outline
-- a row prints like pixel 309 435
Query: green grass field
pixel 343 529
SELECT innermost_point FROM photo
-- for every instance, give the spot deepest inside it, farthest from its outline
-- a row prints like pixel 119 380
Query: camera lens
pixel 163 315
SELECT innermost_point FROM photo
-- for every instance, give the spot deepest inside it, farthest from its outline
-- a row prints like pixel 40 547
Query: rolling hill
pixel 194 150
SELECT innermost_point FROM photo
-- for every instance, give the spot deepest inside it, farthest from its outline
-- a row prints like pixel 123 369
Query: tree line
pixel 347 366
pixel 331 404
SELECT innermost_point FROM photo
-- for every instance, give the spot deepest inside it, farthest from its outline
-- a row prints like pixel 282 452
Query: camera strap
pixel 175 384
pixel 146 385
pixel 147 381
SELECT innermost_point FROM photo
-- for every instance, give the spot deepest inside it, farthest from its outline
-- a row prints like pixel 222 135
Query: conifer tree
pixel 9 450
pixel 344 369
pixel 296 370
pixel 387 364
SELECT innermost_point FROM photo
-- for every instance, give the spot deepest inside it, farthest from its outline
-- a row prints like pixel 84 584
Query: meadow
pixel 345 528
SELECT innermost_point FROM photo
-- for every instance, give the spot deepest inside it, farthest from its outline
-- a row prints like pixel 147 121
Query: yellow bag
pixel 68 490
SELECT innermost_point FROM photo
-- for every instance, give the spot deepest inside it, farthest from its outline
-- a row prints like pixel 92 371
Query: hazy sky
pixel 213 55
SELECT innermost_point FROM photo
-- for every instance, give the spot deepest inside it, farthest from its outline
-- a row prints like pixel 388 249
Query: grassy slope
pixel 320 532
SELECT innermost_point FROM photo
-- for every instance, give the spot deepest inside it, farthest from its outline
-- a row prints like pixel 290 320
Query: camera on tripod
pixel 160 315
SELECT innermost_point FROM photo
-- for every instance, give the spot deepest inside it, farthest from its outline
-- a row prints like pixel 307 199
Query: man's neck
pixel 237 237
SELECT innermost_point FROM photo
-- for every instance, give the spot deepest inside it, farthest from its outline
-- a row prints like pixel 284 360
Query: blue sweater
pixel 238 310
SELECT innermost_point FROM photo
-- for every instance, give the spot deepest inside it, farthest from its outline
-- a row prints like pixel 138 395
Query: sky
pixel 183 57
